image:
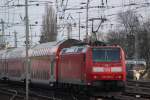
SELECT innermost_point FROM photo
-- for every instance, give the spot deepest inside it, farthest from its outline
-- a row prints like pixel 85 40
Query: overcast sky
pixel 14 15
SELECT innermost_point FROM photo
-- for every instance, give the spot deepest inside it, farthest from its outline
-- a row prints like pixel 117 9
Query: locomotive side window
pixel 52 65
pixel 106 54
pixel 70 50
pixel 52 68
pixel 64 50
pixel 79 49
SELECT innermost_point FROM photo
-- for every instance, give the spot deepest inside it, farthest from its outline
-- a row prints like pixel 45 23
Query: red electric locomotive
pixel 95 66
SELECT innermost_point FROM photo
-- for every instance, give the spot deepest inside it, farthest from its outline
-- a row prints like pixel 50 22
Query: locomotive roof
pixel 75 49
pixel 83 48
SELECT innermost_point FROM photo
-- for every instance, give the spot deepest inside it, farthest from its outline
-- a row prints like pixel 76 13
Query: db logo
pixel 107 69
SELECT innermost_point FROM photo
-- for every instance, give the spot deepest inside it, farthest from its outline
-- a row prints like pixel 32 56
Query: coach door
pixel 52 68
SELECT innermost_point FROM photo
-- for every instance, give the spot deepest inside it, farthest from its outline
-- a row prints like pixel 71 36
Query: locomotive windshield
pixel 106 54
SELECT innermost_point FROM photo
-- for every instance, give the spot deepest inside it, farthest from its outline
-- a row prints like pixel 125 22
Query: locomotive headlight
pixel 116 69
pixel 98 69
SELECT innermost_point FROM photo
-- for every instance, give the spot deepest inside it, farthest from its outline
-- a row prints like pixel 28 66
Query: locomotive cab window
pixel 106 54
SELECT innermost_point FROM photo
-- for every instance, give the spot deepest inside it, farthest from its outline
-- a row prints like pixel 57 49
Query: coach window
pixel 70 50
pixel 52 66
pixel 45 75
pixel 40 74
pixel 37 77
pixel 79 49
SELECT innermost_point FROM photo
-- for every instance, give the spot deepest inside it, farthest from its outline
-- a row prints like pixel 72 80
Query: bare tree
pixel 49 27
pixel 130 21
pixel 132 28
pixel 119 37
pixel 125 36
pixel 133 33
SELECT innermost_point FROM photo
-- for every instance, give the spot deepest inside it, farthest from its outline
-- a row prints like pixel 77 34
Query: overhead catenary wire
pixel 68 7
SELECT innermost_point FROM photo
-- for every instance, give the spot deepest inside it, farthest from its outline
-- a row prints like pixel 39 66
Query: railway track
pixel 17 92
pixel 139 90
pixel 141 87
pixel 135 90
